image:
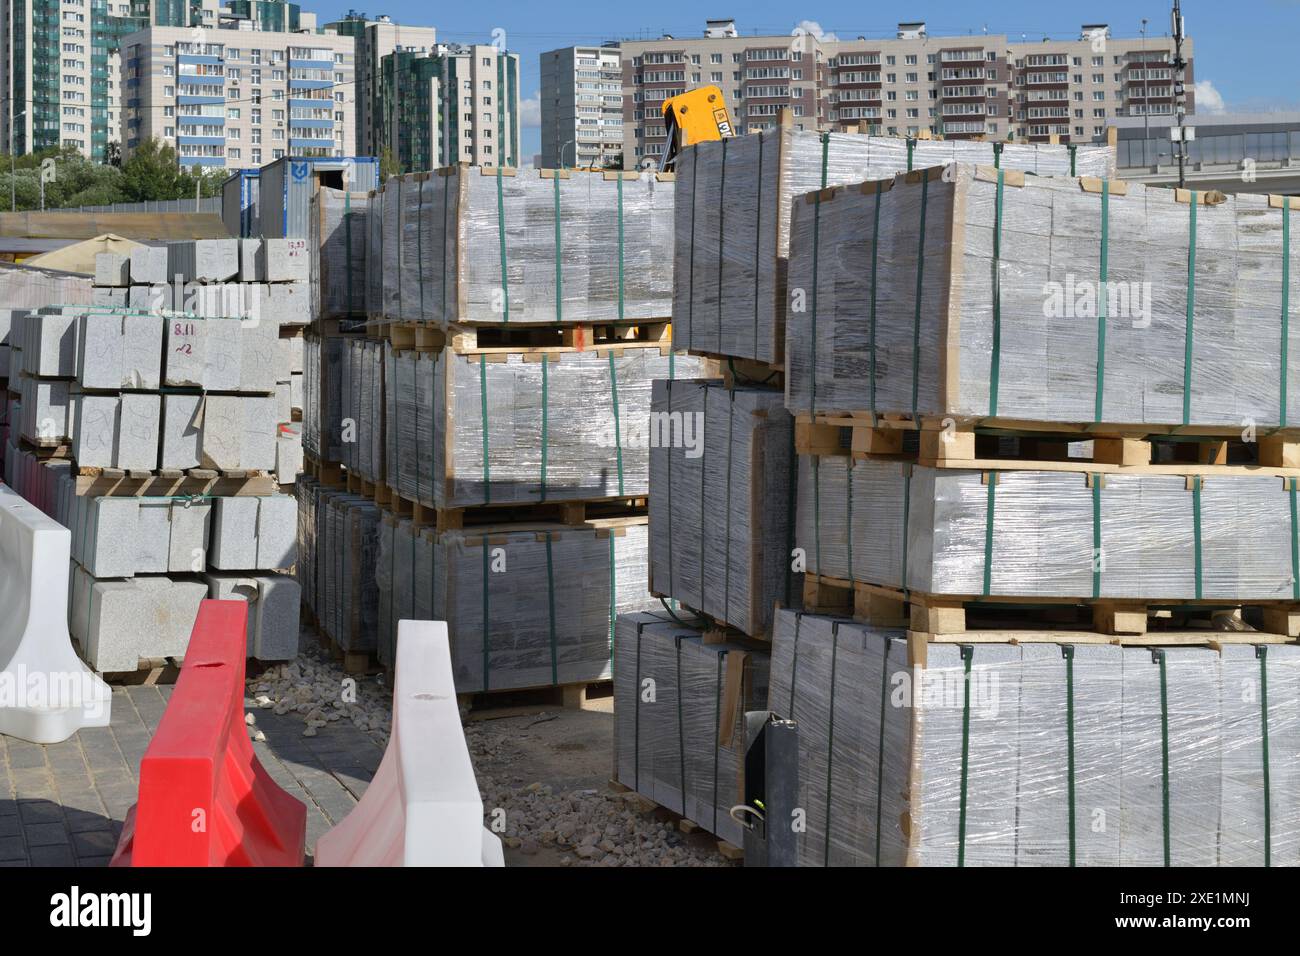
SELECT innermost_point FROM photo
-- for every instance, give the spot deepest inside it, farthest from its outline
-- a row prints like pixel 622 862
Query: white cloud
pixel 1208 99
pixel 814 29
pixel 530 111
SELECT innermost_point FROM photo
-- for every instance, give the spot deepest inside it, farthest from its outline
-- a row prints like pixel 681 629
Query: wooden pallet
pixel 376 491
pixel 152 672
pixel 328 473
pixel 174 483
pixel 550 512
pixel 574 696
pixel 685 825
pixel 352 662
pixel 1005 619
pixel 950 443
pixel 737 372
pixel 536 339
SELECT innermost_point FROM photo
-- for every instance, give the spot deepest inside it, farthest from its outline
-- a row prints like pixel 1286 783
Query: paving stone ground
pixel 64 804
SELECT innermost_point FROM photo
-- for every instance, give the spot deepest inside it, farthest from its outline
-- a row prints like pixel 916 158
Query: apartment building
pixel 959 87
pixel 235 97
pixel 582 107
pixel 376 40
pixel 459 104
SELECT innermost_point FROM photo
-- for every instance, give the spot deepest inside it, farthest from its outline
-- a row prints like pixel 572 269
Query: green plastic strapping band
pixel 1261 652
pixel 911 145
pixel 758 234
pixel 347 239
pixel 1073 150
pixel 794 662
pixel 550 607
pixel 483 408
pixel 559 272
pixel 726 575
pixel 1102 297
pixel 830 744
pixel 620 248
pixel 880 748
pixel 618 438
pixel 717 729
pixel 1159 657
pixel 848 519
pixel 668 516
pixel 419 243
pixel 997 156
pixel 486 616
pixel 681 734
pixel 1295 541
pixel 812 339
pixel 817 512
pixel 545 421
pixel 501 237
pixel 1191 310
pixel 613 595
pixel 690 294
pixel 636 714
pixel 722 216
pixel 1286 309
pixel 826 155
pixel 1067 651
pixel 988 531
pixel 920 278
pixel 967 653
pixel 446 206
pixel 907 507
pixel 791 508
pixel 875 255
pixel 996 358
pixel 1096 535
pixel 1197 482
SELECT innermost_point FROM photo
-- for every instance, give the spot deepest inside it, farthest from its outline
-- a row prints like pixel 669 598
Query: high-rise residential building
pixel 375 40
pixel 979 85
pixel 458 104
pixel 582 107
pixel 235 97
pixel 61 61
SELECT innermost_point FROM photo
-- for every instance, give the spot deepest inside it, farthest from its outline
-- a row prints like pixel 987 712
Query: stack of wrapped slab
pixel 29 287
pixel 572 246
pixel 721 529
pixel 463 430
pixel 340 533
pixel 733 220
pixel 322 396
pixel 361 401
pixel 1048 533
pixel 1043 299
pixel 340 228
pixel 679 708
pixel 525 608
pixel 1037 754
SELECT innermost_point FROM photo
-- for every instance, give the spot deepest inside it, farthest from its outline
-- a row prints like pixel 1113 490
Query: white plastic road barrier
pixel 423 808
pixel 46 692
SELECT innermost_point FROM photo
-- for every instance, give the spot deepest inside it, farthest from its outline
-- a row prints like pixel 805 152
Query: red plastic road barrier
pixel 205 800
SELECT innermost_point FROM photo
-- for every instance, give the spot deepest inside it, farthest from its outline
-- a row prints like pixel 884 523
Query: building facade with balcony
pixel 233 98
pixel 582 107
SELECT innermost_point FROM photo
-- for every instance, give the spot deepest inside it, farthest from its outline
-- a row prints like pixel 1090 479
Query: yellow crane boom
pixel 696 116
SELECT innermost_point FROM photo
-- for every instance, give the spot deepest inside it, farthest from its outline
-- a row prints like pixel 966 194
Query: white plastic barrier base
pixel 423 807
pixel 46 693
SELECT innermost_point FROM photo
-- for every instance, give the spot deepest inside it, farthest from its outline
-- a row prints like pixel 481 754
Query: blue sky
pixel 1245 50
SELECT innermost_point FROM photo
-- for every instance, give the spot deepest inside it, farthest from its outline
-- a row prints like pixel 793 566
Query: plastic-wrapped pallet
pixel 321 395
pixel 338 535
pixel 671 694
pixel 729 291
pixel 361 404
pixel 1047 533
pixel 1053 300
pixel 573 246
pixel 374 301
pixel 973 756
pixel 721 522
pixel 525 608
pixel 29 287
pixel 307 491
pixel 339 234
pixel 561 426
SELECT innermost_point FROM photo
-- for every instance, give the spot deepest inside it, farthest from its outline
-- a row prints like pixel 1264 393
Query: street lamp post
pixel 567 144
pixel 13 173
pixel 1146 93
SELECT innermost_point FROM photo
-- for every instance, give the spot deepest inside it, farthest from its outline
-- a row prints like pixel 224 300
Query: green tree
pixel 152 172
pixel 388 165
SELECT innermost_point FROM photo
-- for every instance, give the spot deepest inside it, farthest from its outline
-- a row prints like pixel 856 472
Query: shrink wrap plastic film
pixel 1043 301
pixel 721 521
pixel 731 253
pixel 322 378
pixel 340 230
pixel 464 431
pixel 339 545
pixel 525 608
pixel 670 692
pixel 361 401
pixel 1048 534
pixel 1038 754
pixel 574 247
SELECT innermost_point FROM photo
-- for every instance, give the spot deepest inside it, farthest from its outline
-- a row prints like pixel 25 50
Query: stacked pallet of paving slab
pixel 339 542
pixel 362 405
pixel 721 528
pixel 679 706
pixel 525 247
pixel 733 219
pixel 528 605
pixel 1012 755
pixel 340 229
pixel 7 369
